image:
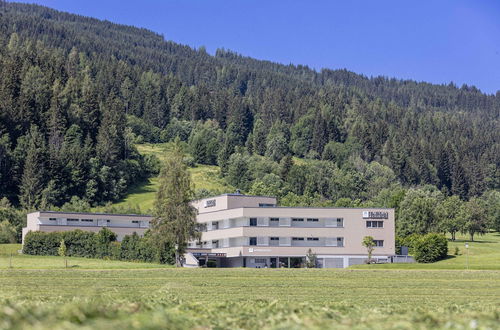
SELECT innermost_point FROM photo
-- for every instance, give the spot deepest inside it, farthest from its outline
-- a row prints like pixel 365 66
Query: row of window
pixel 253 240
pixel 253 221
pixel 374 224
pixel 89 220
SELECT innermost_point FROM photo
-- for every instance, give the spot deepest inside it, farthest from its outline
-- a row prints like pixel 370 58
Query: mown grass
pixel 248 298
pixel 143 195
pixel 39 293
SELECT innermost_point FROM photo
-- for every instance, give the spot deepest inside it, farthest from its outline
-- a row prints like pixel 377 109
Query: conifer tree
pixel 32 181
pixel 174 219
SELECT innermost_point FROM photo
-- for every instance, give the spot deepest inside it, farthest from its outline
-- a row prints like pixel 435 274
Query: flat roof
pixel 95 213
pixel 304 207
pixel 235 194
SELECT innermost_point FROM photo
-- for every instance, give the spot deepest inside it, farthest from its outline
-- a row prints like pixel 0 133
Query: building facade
pixel 252 231
pixel 120 224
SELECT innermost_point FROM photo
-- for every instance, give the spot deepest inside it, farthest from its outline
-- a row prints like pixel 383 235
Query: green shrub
pixel 103 241
pixel 79 243
pixel 42 244
pixel 98 245
pixel 115 250
pixel 7 233
pixel 430 248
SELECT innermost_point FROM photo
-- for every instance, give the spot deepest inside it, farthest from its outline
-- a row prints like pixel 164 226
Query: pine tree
pixel 32 181
pixel 259 137
pixel 174 219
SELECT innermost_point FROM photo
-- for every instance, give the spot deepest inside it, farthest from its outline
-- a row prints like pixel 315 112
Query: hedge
pixel 430 247
pixel 103 244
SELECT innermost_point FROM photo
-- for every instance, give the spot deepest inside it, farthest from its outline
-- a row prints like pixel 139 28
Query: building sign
pixel 375 215
pixel 258 250
pixel 200 254
pixel 210 203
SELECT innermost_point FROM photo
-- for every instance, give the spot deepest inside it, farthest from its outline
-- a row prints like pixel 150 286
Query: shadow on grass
pixel 472 242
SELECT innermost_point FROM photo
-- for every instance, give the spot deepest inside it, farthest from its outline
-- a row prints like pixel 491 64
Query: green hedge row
pixel 103 244
pixel 426 248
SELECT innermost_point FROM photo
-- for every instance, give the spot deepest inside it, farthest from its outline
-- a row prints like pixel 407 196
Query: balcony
pixel 275 222
pixel 273 242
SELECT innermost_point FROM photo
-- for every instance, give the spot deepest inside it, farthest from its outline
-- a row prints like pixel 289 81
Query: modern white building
pixel 252 231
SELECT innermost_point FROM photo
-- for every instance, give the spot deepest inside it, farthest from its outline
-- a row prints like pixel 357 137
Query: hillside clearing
pixel 206 177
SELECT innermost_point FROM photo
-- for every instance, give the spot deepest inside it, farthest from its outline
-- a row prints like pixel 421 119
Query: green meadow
pixel 39 293
pixel 142 195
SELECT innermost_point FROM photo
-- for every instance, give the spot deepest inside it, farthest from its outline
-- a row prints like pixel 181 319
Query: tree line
pixel 77 93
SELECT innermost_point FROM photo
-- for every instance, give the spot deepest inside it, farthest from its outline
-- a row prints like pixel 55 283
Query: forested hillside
pixel 77 93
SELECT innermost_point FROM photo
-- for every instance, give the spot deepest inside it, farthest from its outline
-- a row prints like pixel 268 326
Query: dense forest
pixel 77 93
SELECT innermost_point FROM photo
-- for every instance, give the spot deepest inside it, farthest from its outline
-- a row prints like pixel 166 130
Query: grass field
pixel 203 176
pixel 169 298
pixel 38 293
pixel 484 253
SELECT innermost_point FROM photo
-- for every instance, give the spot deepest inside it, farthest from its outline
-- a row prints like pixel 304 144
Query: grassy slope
pixel 143 195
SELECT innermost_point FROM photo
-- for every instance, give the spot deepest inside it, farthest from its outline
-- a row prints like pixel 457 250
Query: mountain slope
pixel 76 93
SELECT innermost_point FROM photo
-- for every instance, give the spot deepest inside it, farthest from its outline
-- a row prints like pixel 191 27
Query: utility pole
pixel 467 256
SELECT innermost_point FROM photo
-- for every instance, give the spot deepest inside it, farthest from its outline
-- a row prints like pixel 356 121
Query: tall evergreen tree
pixel 174 218
pixel 32 182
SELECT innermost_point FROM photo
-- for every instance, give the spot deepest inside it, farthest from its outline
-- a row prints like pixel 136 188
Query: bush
pixel 103 241
pixel 7 232
pixel 98 245
pixel 79 243
pixel 430 248
pixel 42 244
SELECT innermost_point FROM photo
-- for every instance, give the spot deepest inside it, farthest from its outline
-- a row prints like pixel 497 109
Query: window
pixel 340 222
pixel 313 239
pixel 298 219
pixel 312 220
pixel 253 222
pixel 374 224
pixel 74 220
pixel 253 241
pixel 52 219
pixel 274 219
pixel 340 241
pixel 215 225
pixel 260 261
pixel 274 238
pixel 266 205
pixel 379 243
pixel 297 238
pixel 87 220
pixel 135 221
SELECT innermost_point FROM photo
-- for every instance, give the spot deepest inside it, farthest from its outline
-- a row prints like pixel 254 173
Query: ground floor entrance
pixel 322 261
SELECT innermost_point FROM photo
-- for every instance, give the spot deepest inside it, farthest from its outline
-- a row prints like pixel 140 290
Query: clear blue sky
pixel 425 40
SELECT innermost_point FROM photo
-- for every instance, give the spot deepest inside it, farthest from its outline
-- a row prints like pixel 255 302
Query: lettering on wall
pixel 210 203
pixel 375 215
